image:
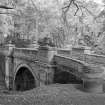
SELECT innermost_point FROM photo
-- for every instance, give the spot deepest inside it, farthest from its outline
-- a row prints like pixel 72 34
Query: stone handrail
pixel 88 58
pixel 95 59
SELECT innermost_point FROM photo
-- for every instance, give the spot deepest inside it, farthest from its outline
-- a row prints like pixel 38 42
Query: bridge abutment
pixel 90 85
pixel 93 78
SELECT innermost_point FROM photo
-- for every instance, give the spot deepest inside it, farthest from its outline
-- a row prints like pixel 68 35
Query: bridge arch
pixel 64 76
pixel 24 78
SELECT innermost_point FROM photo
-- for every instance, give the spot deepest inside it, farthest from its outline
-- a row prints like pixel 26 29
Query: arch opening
pixel 24 80
pixel 64 77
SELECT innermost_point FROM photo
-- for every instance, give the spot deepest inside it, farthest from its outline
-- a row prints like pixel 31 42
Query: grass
pixel 64 94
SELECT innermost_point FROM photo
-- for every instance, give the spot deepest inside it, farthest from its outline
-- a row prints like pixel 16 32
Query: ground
pixel 65 94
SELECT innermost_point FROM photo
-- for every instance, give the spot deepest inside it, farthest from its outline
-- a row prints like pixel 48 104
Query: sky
pixel 98 1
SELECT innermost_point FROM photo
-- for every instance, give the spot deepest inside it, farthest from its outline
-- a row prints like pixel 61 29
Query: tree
pixel 64 22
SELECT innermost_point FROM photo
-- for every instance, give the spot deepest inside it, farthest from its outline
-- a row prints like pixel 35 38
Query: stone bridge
pixel 26 68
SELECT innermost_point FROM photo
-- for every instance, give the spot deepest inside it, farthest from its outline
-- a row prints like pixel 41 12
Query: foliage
pixel 64 21
pixel 17 41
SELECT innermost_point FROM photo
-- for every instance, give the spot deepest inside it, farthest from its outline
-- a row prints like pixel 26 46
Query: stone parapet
pixel 46 53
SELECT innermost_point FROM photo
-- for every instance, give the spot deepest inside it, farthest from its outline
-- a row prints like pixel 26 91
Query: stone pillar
pixel 87 50
pixel 8 64
pixel 46 53
pixel 45 56
pixel 50 75
pixel 42 77
pixel 7 60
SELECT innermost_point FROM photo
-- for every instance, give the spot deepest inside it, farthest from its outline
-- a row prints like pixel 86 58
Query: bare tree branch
pixel 37 10
pixel 34 5
pixel 68 6
pixel 88 10
pixel 76 7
